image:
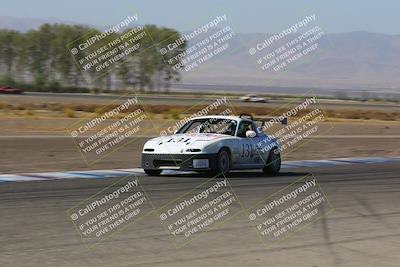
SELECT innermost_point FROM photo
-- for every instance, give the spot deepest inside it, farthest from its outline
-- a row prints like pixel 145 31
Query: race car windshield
pixel 212 125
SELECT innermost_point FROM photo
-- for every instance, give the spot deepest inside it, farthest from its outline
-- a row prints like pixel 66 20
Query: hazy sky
pixel 247 16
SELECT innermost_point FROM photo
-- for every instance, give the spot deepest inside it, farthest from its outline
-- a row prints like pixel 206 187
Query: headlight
pixel 193 150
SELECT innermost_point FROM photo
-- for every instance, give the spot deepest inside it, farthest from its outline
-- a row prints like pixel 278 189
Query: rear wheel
pixel 153 172
pixel 273 165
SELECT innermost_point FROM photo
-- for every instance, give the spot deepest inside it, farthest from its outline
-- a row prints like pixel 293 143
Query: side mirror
pixel 251 134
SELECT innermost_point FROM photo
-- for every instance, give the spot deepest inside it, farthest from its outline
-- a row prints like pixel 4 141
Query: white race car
pixel 213 145
pixel 252 98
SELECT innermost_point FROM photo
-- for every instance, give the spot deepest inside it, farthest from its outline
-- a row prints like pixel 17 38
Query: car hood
pixel 178 143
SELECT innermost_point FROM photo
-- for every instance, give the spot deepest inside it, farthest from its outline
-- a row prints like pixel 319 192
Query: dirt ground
pixel 41 154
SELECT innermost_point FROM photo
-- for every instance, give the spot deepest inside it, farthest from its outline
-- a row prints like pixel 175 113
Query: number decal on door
pixel 247 151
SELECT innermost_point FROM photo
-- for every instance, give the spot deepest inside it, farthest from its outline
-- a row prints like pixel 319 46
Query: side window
pixel 244 126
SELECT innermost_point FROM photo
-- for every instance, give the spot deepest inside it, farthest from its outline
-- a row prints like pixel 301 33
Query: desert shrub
pixel 69 113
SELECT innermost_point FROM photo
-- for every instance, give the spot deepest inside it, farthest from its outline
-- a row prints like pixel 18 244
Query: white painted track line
pixel 100 174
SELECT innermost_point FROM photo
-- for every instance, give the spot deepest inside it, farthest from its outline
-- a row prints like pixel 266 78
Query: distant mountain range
pixel 361 60
pixel 346 60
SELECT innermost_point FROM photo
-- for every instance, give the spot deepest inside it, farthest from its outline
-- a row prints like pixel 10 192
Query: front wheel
pixel 273 164
pixel 153 172
pixel 223 162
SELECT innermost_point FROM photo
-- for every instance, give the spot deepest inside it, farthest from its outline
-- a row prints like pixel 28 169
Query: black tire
pixel 273 165
pixel 153 172
pixel 223 165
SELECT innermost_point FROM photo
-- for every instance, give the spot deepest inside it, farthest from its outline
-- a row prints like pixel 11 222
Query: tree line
pixel 40 60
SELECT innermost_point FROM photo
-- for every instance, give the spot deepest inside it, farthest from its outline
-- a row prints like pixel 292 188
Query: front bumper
pixel 182 162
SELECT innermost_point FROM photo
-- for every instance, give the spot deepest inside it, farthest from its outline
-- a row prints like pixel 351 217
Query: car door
pixel 248 154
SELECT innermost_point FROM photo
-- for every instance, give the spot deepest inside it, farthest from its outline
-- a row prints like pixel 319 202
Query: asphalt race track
pixel 362 229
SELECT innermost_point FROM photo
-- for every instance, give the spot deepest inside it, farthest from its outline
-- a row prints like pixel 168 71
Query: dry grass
pixel 69 113
pixel 176 112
